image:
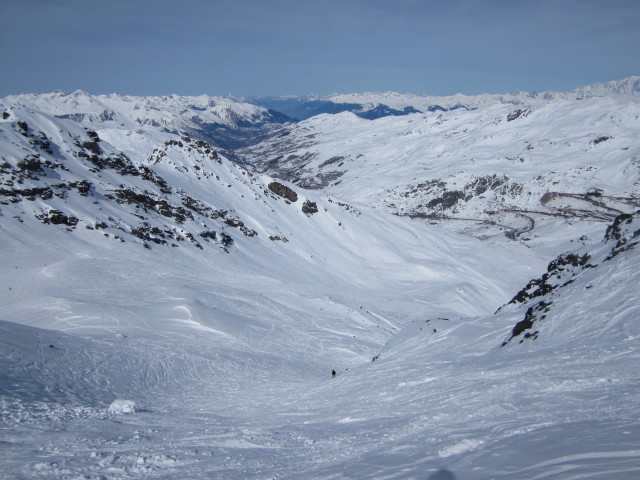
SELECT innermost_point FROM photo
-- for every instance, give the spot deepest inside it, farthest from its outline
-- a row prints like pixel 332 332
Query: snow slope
pixel 167 313
pixel 237 402
pixel 561 404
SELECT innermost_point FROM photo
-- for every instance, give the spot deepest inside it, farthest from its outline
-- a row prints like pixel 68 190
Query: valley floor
pixel 228 359
pixel 475 415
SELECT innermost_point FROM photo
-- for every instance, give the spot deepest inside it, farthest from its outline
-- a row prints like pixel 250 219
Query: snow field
pixel 258 401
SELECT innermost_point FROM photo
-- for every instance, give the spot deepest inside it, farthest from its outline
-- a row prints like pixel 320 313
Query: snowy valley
pixel 180 275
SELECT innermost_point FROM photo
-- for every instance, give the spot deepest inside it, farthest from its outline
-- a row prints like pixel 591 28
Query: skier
pixel 333 374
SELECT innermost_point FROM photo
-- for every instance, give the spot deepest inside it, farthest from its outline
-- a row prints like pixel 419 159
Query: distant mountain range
pixel 377 105
pixel 483 165
pixel 500 165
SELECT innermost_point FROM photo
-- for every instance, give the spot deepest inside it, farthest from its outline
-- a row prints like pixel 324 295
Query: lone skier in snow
pixel 333 374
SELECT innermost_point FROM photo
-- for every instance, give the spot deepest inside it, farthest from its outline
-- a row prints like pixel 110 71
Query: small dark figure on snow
pixel 333 373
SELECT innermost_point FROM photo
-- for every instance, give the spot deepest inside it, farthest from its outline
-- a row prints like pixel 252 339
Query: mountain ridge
pixel 220 121
pixel 500 169
pixel 394 103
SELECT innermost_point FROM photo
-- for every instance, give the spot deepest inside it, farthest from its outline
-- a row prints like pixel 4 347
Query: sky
pixel 299 47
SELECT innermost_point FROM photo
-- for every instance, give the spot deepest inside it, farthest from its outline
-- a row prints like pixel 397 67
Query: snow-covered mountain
pixel 374 105
pixel 60 176
pixel 168 313
pixel 517 170
pixel 222 122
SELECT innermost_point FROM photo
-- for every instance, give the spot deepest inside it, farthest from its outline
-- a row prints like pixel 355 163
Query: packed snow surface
pixel 180 318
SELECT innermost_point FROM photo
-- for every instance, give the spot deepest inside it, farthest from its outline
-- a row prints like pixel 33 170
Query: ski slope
pixel 230 375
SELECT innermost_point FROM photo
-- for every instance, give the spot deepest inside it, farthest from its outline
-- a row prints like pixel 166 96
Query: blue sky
pixel 280 47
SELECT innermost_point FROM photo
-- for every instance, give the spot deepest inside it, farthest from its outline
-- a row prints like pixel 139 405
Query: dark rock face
pixel 283 191
pixel 225 240
pixel 623 240
pixel 556 276
pixel 142 206
pixel 207 234
pixel 56 217
pixel 520 113
pixel 534 313
pixel 309 207
pixel 354 211
pixel 147 233
pixel 601 139
pixel 489 182
pixel 30 163
pixel 447 200
pixel 622 235
pixel 23 128
pixel 236 223
pixel 278 238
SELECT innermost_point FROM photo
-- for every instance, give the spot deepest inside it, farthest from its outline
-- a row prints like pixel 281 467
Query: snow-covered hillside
pixel 223 122
pixel 168 313
pixel 520 171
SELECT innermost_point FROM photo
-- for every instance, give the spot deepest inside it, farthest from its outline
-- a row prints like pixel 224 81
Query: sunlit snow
pixel 196 358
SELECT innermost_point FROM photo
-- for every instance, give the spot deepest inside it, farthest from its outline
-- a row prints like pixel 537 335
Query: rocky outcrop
pixel 309 207
pixel 540 294
pixel 56 217
pixel 283 191
pixel 114 196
